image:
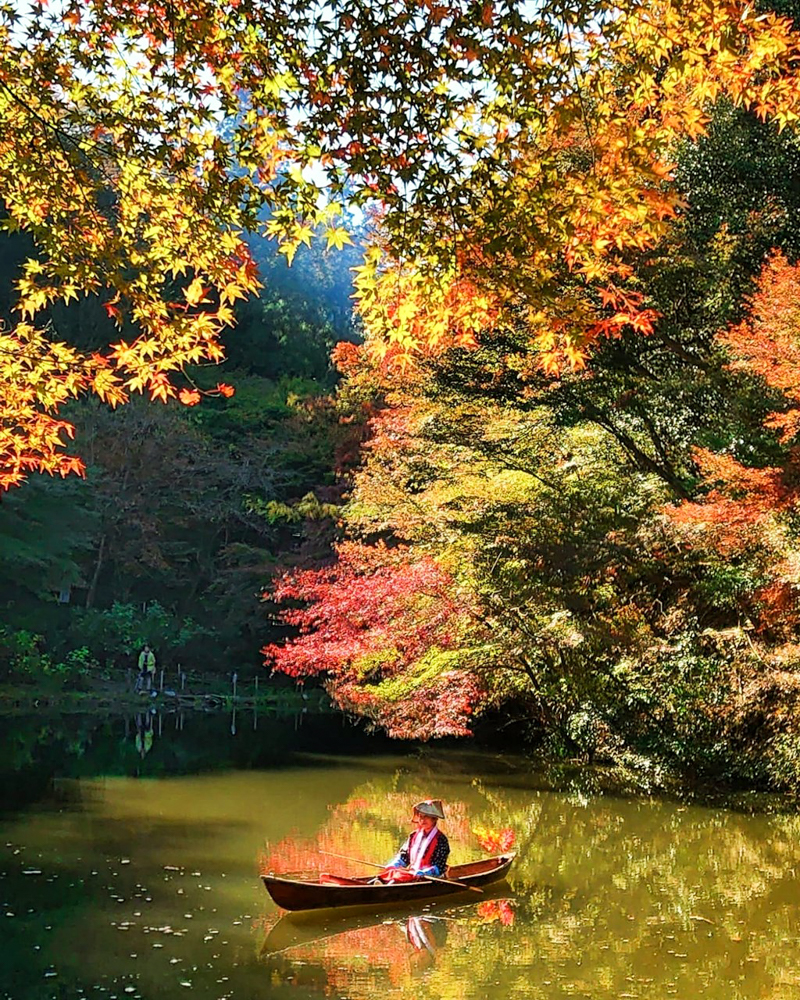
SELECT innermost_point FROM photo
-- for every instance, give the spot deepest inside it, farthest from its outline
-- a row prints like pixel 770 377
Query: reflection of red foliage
pixel 372 961
pixel 369 961
pixel 501 910
pixel 371 828
pixel 352 806
pixel 292 854
pixel 495 841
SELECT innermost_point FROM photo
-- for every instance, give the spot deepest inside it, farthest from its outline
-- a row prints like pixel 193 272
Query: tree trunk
pixel 90 596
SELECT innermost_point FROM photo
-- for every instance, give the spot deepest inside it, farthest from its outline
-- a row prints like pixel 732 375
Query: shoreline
pixel 573 776
pixel 24 700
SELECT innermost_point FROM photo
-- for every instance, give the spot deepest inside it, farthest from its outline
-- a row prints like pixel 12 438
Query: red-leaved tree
pixel 386 629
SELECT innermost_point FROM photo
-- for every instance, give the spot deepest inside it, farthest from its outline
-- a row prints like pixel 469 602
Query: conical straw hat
pixel 430 807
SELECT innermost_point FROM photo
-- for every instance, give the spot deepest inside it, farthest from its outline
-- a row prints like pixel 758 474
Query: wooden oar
pixel 431 878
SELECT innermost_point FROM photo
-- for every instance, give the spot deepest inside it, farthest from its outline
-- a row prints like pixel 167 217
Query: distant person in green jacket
pixel 147 669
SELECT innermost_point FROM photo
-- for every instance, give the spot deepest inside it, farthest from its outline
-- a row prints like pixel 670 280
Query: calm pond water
pixel 130 851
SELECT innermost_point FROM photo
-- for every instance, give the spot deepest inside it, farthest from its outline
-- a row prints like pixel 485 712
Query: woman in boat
pixel 426 850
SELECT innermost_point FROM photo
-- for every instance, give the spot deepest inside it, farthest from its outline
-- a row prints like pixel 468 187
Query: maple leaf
pixel 195 292
pixel 337 238
pixel 160 387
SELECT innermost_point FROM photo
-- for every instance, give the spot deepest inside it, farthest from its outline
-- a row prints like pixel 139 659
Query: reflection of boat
pixel 298 930
pixel 299 893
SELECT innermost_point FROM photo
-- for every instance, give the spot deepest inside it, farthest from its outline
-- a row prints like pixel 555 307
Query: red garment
pixel 411 849
pixel 413 845
pixel 396 875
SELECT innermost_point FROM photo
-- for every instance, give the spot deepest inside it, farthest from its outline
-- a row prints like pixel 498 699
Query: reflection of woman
pixel 425 935
pixel 426 850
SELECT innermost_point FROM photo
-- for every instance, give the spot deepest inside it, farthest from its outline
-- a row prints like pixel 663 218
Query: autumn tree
pixel 663 395
pixel 389 631
pixel 502 582
pixel 746 512
pixel 566 596
pixel 602 613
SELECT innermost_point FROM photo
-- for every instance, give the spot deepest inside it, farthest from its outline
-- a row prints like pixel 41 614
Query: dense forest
pixel 550 490
pixel 184 512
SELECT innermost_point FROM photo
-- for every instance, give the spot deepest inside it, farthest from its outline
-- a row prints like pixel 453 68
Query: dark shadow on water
pixel 41 749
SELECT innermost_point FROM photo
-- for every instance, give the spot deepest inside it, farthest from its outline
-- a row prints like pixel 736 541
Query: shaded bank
pixel 120 697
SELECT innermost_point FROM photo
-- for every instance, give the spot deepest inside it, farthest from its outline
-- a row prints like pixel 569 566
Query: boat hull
pixel 296 894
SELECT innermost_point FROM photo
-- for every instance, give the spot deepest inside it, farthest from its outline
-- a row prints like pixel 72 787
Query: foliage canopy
pixel 515 155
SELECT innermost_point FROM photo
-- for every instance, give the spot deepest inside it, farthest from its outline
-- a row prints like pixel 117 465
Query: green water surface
pixel 130 854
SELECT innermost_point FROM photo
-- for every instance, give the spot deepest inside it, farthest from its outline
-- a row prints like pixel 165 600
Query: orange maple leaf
pixel 160 387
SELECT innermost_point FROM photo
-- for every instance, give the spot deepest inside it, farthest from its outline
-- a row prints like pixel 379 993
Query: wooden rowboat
pixel 309 893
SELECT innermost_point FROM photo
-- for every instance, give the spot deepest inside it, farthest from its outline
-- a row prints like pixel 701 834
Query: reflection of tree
pixel 370 826
pixel 366 960
pixel 612 897
pixel 37 748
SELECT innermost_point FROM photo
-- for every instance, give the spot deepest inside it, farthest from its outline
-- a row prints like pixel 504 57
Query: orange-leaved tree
pixel 558 206
pixel 748 511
